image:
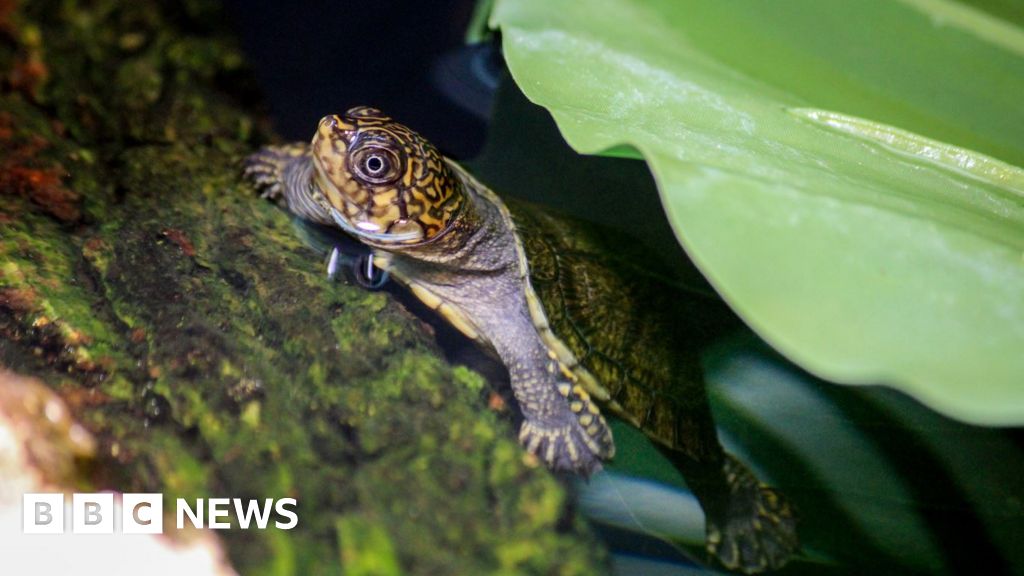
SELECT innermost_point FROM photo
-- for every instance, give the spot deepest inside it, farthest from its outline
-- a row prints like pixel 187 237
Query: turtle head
pixel 381 181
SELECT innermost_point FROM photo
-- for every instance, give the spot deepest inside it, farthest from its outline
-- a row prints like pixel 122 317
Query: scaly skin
pixel 464 252
pixel 462 260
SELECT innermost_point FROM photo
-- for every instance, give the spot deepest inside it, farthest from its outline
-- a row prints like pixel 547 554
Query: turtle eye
pixel 376 165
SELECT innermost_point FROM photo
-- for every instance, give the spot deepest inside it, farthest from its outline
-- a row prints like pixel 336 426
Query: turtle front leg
pixel 284 172
pixel 267 169
pixel 561 425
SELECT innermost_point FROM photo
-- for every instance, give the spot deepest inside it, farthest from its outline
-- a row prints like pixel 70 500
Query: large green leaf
pixel 865 252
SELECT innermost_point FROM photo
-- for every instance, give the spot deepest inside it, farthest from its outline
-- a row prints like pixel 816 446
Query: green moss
pixel 468 378
pixel 366 548
pixel 44 273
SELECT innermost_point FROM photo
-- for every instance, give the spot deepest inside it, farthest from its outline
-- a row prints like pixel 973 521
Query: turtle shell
pixel 630 334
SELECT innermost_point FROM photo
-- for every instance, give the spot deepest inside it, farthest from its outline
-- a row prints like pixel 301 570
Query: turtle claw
pixel 757 530
pixel 563 448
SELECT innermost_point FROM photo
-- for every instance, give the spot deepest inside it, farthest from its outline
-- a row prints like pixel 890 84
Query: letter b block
pixel 92 514
pixel 43 513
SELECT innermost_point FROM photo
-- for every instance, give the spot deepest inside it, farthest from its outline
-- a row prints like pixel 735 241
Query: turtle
pixel 570 310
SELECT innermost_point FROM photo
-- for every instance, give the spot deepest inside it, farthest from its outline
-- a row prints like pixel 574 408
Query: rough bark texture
pixel 194 334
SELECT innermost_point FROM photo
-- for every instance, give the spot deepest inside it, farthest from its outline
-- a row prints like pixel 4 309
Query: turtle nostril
pixel 329 121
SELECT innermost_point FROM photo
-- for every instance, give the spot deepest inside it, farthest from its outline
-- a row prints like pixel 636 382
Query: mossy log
pixel 198 339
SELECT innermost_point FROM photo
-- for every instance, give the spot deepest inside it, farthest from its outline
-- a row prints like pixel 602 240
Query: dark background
pixel 320 57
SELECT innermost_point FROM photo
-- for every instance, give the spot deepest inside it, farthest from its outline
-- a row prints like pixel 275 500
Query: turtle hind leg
pixel 752 528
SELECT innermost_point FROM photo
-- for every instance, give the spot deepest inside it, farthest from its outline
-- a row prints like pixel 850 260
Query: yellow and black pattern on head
pixel 381 180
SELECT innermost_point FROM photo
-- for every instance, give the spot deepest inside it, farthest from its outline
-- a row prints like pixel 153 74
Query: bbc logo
pixel 43 513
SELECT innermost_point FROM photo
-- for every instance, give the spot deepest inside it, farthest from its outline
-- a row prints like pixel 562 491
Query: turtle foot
pixel 266 168
pixel 564 448
pixel 756 531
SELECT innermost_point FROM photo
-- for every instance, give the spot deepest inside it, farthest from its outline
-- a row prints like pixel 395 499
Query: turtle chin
pixel 377 235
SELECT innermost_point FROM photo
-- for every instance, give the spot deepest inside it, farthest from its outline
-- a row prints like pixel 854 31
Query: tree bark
pixel 196 336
